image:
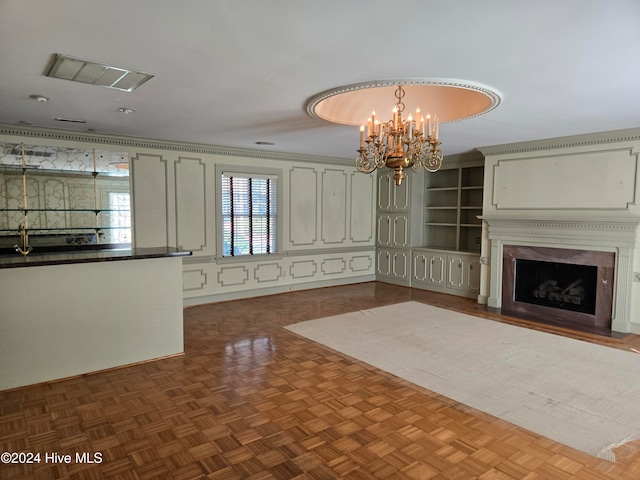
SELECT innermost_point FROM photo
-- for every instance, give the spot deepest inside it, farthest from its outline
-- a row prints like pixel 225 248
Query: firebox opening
pixel 557 285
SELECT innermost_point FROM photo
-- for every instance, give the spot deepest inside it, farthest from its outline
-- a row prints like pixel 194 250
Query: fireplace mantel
pixel 598 234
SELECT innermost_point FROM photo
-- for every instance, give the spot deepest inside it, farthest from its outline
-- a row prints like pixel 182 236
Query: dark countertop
pixel 88 256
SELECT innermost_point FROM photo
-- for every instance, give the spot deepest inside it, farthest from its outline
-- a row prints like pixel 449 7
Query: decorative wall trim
pixel 225 296
pixel 303 206
pixel 90 137
pixel 333 266
pixel 267 272
pixel 303 269
pixel 599 180
pixel 230 276
pixel 627 135
pixel 361 263
pixel 136 187
pixel 202 185
pixel 189 277
pixel 333 206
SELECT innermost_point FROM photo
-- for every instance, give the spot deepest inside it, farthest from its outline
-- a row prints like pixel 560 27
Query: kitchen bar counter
pixel 37 259
pixel 74 313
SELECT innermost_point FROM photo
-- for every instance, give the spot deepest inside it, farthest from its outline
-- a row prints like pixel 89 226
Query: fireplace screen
pixel 557 285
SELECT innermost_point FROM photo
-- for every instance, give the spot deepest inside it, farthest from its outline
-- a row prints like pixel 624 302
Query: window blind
pixel 249 212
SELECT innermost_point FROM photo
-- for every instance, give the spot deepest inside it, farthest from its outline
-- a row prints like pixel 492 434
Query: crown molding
pixel 626 135
pixel 124 141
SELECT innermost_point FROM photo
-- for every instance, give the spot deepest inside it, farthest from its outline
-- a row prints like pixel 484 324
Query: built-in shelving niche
pixel 453 202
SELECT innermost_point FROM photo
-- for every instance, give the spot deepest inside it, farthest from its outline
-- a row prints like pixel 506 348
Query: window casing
pixel 249 207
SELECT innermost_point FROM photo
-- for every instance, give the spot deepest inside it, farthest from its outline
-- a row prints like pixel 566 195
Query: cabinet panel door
pixel 420 264
pixel 400 263
pixel 385 230
pixel 401 231
pixel 401 194
pixel 473 274
pixel 456 271
pixel 385 185
pixel 437 269
pixel 383 264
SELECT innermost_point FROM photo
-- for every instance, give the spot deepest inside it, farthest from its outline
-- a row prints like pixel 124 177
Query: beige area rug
pixel 579 394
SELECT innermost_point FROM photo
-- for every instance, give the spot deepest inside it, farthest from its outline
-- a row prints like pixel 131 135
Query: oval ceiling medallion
pixel 449 100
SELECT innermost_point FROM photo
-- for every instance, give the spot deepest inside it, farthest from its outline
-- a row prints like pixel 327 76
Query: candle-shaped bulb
pixel 361 136
pixel 373 117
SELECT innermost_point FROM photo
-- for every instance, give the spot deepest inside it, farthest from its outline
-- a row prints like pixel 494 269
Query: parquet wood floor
pixel 250 400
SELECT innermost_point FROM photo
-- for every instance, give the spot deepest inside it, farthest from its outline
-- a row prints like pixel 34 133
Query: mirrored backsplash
pixel 63 197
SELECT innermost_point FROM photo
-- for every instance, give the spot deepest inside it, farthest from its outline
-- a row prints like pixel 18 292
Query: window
pixel 249 214
pixel 120 217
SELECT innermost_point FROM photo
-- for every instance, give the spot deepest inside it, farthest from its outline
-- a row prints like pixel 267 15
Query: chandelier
pixel 400 143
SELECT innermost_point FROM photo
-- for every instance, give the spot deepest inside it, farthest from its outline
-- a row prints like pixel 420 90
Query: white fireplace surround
pixel 605 235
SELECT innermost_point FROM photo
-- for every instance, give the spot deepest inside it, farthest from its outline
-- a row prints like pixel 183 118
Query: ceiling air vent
pixel 87 71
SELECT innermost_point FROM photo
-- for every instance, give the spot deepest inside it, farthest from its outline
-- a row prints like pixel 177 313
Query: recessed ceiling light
pixel 126 111
pixel 39 98
pixel 58 119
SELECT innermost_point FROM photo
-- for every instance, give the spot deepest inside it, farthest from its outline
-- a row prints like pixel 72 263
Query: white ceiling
pixel 235 72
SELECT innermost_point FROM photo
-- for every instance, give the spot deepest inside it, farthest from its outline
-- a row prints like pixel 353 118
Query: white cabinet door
pixel 473 274
pixel 401 194
pixel 383 263
pixel 455 271
pixel 437 264
pixel 385 192
pixel 400 230
pixel 464 272
pixel 392 197
pixel 400 264
pixel 385 234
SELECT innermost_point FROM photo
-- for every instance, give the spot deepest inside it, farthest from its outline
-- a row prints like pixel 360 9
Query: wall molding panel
pixel 602 180
pixel 191 206
pixel 233 276
pixel 303 269
pixel 361 263
pixel 333 266
pixel 334 206
pixel 361 207
pixel 303 206
pixel 267 272
pixel 149 188
pixel 193 280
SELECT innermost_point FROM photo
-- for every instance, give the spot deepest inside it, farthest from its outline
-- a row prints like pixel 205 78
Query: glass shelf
pixel 64 210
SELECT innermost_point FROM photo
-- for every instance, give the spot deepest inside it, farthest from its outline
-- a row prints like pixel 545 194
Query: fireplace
pixel 556 285
pixel 567 287
pixel 604 243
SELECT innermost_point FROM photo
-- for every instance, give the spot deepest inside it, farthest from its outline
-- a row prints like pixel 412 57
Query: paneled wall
pixel 568 185
pixel 326 209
